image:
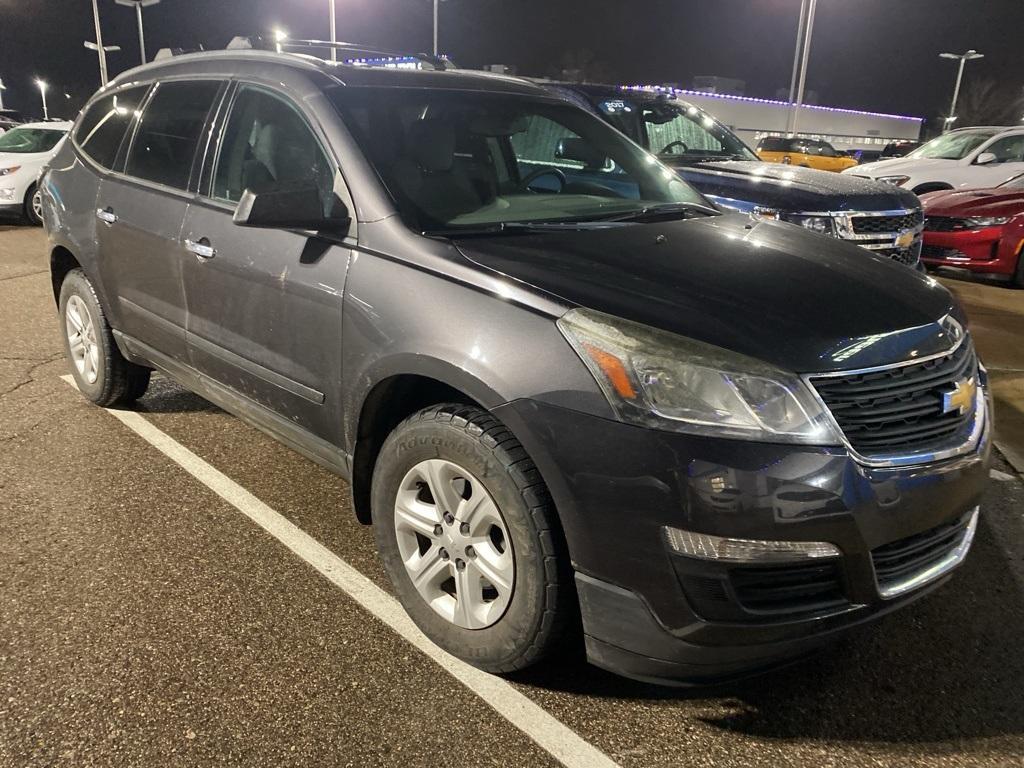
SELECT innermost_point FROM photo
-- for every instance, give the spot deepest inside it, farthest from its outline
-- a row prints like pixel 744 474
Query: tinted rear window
pixel 774 144
pixel 165 143
pixel 103 126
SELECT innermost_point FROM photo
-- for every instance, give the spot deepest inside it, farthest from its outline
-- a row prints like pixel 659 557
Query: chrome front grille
pixel 867 224
pixel 903 410
pixel 896 233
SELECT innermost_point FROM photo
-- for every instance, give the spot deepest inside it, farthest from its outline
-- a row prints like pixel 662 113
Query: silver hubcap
pixel 85 352
pixel 454 544
pixel 37 204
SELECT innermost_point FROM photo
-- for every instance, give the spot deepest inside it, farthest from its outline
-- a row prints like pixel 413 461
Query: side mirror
pixel 292 207
pixel 985 158
pixel 582 151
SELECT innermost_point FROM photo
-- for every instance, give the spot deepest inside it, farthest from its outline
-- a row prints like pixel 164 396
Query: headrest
pixel 432 145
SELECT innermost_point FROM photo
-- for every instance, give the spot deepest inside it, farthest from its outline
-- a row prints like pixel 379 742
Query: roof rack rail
pixel 435 62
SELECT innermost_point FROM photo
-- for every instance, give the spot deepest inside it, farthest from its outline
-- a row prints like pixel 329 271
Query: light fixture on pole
pixel 964 58
pixel 279 37
pixel 795 108
pixel 139 5
pixel 102 51
pixel 42 92
pixel 334 32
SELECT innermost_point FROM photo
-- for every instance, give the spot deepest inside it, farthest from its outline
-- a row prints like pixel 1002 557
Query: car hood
pixel 773 291
pixel 793 188
pixel 975 202
pixel 907 166
pixel 7 159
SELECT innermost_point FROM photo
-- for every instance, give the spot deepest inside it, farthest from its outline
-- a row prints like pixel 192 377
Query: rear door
pixel 140 213
pixel 265 304
pixel 1009 161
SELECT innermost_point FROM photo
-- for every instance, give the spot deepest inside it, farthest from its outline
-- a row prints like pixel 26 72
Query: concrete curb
pixel 1014 457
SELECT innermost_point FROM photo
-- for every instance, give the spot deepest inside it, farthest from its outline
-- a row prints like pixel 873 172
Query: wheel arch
pixel 62 261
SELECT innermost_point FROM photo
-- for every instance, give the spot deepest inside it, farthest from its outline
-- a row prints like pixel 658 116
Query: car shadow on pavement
pixel 948 667
pixel 166 396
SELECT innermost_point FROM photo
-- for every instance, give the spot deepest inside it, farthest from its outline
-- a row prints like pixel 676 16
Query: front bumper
pixel 983 250
pixel 656 615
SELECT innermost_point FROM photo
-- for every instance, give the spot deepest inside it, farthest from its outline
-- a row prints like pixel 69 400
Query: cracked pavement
pixel 144 622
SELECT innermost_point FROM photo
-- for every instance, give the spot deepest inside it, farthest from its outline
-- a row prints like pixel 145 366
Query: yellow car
pixel 809 153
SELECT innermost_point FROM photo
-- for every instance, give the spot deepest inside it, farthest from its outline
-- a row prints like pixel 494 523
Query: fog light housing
pixel 727 550
pixel 6 194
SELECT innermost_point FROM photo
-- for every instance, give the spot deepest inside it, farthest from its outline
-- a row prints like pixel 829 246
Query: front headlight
pixel 8 171
pixel 820 224
pixel 657 379
pixel 986 221
pixel 899 181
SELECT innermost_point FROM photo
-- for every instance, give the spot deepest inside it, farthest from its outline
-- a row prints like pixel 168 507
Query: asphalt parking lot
pixel 145 620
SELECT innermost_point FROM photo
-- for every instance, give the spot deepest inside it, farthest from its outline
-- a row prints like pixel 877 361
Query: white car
pixel 967 158
pixel 24 150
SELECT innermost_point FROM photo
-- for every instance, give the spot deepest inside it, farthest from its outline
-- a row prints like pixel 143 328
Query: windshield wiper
pixel 664 210
pixel 508 228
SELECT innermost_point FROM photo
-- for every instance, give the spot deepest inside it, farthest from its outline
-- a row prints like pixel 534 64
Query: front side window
pixel 102 128
pixel 1008 150
pixel 468 159
pixel 267 144
pixel 677 130
pixel 29 140
pixel 169 132
pixel 952 146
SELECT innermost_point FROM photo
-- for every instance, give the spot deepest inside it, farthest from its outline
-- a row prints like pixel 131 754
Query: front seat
pixel 259 171
pixel 428 176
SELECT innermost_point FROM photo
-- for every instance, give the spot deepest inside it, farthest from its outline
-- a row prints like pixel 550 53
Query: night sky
pixel 868 54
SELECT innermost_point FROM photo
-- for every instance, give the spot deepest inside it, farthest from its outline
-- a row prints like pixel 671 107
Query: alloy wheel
pixel 81 331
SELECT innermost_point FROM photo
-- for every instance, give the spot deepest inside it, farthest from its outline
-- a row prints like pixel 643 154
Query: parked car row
pixel 568 389
pixel 24 150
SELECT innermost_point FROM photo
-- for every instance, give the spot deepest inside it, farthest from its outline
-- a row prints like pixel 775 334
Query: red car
pixel 981 230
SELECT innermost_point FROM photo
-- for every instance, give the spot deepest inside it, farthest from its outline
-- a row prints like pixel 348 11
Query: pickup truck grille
pixel 873 225
pixel 900 409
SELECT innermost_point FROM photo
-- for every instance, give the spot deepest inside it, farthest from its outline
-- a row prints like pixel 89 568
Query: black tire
pixel 31 216
pixel 542 601
pixel 1018 273
pixel 118 381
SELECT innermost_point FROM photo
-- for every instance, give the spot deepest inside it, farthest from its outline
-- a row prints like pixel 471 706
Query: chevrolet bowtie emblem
pixel 961 398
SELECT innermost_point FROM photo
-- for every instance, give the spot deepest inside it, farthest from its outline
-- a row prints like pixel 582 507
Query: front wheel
pixel 467 534
pixel 34 206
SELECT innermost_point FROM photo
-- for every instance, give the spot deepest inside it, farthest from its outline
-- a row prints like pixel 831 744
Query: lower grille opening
pixel 796 588
pixel 901 560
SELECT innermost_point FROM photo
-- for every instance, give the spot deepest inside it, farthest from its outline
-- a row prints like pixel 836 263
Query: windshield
pixel 952 146
pixel 469 159
pixel 25 140
pixel 677 131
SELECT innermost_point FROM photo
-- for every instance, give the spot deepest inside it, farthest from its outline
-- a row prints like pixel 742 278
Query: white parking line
pixel 564 744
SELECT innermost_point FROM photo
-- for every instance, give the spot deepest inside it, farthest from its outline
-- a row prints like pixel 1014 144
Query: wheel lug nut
pixel 470 552
pixel 460 565
pixel 449 518
pixel 438 530
pixel 444 554
pixel 464 529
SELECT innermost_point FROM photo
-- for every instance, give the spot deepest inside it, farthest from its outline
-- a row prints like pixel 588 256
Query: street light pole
pixel 2 89
pixel 436 4
pixel 334 32
pixel 803 66
pixel 99 43
pixel 42 92
pixel 796 63
pixel 139 5
pixel 964 58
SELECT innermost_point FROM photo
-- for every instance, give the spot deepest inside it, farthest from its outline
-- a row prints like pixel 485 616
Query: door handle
pixel 201 248
pixel 106 215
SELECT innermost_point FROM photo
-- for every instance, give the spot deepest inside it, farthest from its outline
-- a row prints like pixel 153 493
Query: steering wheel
pixel 534 175
pixel 671 144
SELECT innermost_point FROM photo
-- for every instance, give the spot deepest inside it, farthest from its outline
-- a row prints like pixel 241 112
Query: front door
pixel 264 304
pixel 141 212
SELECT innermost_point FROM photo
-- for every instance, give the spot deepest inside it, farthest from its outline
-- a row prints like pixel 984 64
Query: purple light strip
pixel 751 99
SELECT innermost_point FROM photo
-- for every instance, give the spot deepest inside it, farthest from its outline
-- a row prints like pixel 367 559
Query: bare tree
pixel 984 101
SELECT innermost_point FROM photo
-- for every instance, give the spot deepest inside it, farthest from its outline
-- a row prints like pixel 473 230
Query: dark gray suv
pixel 569 393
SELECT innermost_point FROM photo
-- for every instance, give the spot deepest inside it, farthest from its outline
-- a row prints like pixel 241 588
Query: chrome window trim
pixel 979 425
pixel 937 570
